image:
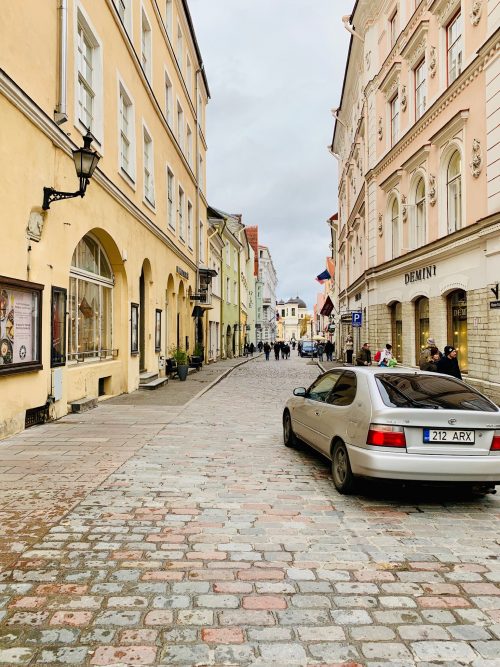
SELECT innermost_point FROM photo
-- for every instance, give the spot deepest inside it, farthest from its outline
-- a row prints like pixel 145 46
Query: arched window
pixel 454 192
pixel 395 228
pixel 420 215
pixel 421 325
pixel 397 330
pixel 90 302
pixel 457 325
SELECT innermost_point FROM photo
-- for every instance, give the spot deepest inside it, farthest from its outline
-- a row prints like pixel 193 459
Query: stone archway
pixel 145 282
pixel 170 315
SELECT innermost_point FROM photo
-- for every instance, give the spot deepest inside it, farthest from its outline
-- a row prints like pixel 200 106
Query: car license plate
pixel 453 436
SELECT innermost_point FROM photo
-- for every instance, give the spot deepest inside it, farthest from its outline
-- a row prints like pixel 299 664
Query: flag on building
pixel 323 277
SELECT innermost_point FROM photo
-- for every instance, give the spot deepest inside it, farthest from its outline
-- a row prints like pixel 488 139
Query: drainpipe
pixel 60 113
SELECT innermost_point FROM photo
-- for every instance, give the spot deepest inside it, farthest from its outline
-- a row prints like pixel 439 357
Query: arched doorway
pixel 228 340
pixel 181 314
pixel 170 315
pixel 145 281
pixel 397 330
pixel 421 326
pixel 457 325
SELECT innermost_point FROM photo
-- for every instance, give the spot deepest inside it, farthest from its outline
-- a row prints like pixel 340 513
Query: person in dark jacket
pixel 431 364
pixel 364 357
pixel 329 350
pixel 448 364
pixel 267 350
pixel 277 348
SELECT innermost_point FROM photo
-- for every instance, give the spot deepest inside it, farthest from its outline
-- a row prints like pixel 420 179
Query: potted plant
pixel 181 359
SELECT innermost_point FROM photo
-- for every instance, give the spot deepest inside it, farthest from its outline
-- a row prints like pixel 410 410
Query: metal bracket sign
pixel 357 319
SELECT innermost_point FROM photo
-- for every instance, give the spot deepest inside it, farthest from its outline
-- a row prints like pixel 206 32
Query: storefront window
pixel 421 325
pixel 457 325
pixel 397 330
pixel 90 302
pixel 58 327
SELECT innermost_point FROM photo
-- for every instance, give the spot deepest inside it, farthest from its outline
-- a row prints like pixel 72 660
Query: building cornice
pixel 23 103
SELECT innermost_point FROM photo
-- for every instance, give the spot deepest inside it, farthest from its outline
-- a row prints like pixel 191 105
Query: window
pixel 124 12
pixel 87 63
pixel 189 75
pixel 189 145
pixel 454 47
pixel 457 325
pixel 126 133
pixel 90 302
pixel 169 17
pixel 181 214
pixel 146 45
pixel 344 391
pixel 293 312
pixel 321 388
pixel 58 327
pixel 420 215
pixel 397 330
pixel 170 197
pixel 282 312
pixel 20 322
pixel 420 74
pixel 421 325
pixel 393 28
pixel 200 111
pixel 168 100
pixel 395 228
pixel 228 290
pixel 180 47
pixel 454 192
pixel 228 254
pixel 201 242
pixel 180 126
pixel 394 119
pixel 201 174
pixel 149 187
pixel 190 225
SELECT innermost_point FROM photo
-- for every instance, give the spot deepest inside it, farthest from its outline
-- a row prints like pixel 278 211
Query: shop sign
pixel 420 274
pixel 182 273
pixel 20 325
pixel 494 304
pixel 357 319
pixel 459 312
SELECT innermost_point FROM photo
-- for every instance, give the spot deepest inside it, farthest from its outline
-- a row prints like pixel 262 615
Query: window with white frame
pixel 190 224
pixel 454 192
pixel 201 243
pixel 394 106
pixel 228 254
pixel 180 125
pixel 228 290
pixel 182 231
pixel 146 45
pixel 170 199
pixel 189 145
pixel 420 74
pixel 395 228
pixel 169 100
pixel 201 173
pixel 454 47
pixel 200 111
pixel 393 28
pixel 420 215
pixel 87 76
pixel 169 17
pixel 149 185
pixel 126 133
pixel 189 75
pixel 180 47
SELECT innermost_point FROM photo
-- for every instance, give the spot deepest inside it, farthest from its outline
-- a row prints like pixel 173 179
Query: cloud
pixel 275 68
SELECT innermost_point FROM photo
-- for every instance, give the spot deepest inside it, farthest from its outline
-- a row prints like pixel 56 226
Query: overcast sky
pixel 275 69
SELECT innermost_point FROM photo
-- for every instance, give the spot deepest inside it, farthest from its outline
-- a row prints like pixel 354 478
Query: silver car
pixel 397 423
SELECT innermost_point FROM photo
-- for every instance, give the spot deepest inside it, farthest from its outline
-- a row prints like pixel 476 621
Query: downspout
pixel 60 113
pixel 196 222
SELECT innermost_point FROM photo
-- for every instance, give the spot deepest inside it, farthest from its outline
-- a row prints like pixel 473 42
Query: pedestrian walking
pixel 282 348
pixel 349 349
pixel 251 349
pixel 276 348
pixel 364 357
pixel 267 350
pixel 293 344
pixel 448 364
pixel 329 350
pixel 299 348
pixel 260 346
pixel 431 365
pixel 320 349
pixel 286 348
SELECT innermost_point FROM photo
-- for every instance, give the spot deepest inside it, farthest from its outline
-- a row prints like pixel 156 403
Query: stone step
pixel 144 378
pixel 154 384
pixel 83 404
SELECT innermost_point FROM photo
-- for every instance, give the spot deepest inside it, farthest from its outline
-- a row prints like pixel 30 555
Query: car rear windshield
pixel 400 390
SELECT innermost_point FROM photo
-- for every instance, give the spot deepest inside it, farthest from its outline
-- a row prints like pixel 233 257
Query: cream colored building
pixel 418 142
pixel 123 261
pixel 291 325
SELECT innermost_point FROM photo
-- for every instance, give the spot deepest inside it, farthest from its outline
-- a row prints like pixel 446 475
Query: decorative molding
pixel 391 181
pixel 380 130
pixel 390 84
pixel 432 62
pixel 380 224
pixel 477 158
pixel 414 49
pixel 432 190
pixel 368 59
pixel 404 99
pixel 475 15
pixel 404 209
pixel 444 9
pixel 35 226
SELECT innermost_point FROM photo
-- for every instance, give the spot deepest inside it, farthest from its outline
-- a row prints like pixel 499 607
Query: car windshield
pixel 436 392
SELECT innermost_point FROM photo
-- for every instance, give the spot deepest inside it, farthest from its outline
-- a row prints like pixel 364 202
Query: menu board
pixel 19 313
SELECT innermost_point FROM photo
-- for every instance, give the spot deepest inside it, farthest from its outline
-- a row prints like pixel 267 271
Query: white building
pixel 269 281
pixel 291 320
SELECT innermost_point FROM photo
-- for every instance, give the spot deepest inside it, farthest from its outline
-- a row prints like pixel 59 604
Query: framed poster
pixel 58 327
pixel 20 326
pixel 134 328
pixel 157 330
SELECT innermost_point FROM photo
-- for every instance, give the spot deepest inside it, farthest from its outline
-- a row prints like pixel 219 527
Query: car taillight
pixel 495 445
pixel 381 435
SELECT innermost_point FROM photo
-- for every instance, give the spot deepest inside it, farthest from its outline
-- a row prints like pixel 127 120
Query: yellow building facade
pixel 95 290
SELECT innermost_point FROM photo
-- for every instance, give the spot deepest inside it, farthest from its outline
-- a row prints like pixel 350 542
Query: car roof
pixel 372 370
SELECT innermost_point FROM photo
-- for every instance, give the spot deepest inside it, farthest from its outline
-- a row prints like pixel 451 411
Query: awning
pixel 199 311
pixel 327 307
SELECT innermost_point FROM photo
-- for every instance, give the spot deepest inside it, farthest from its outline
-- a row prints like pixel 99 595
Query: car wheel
pixel 289 437
pixel 342 475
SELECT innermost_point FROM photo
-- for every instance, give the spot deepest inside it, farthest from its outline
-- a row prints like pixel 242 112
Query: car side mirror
pixel 300 391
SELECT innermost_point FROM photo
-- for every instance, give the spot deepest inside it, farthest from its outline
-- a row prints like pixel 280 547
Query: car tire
pixel 344 480
pixel 289 437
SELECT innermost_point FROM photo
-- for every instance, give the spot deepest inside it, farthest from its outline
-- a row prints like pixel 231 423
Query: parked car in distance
pixel 308 348
pixel 397 424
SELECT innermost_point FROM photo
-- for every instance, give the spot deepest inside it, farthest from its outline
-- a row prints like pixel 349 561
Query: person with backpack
pixel 382 357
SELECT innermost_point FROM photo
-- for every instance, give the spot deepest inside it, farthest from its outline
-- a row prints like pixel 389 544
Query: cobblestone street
pixel 189 535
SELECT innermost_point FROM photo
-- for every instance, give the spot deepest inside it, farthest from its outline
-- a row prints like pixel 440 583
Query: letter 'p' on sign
pixel 357 319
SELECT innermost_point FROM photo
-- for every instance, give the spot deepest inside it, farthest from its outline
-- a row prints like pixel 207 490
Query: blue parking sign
pixel 357 319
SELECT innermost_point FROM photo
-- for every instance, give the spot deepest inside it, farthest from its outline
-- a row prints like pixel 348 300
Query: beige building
pixel 417 136
pixel 95 290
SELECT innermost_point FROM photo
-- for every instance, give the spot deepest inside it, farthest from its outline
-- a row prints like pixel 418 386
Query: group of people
pixel 431 358
pixel 327 349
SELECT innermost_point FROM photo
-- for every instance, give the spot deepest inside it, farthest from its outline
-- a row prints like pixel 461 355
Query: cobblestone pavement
pixel 213 544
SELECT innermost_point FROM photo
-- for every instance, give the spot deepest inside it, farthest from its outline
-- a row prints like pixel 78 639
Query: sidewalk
pixel 46 470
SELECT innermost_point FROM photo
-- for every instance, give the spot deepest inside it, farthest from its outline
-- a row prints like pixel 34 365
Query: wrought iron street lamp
pixel 85 161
